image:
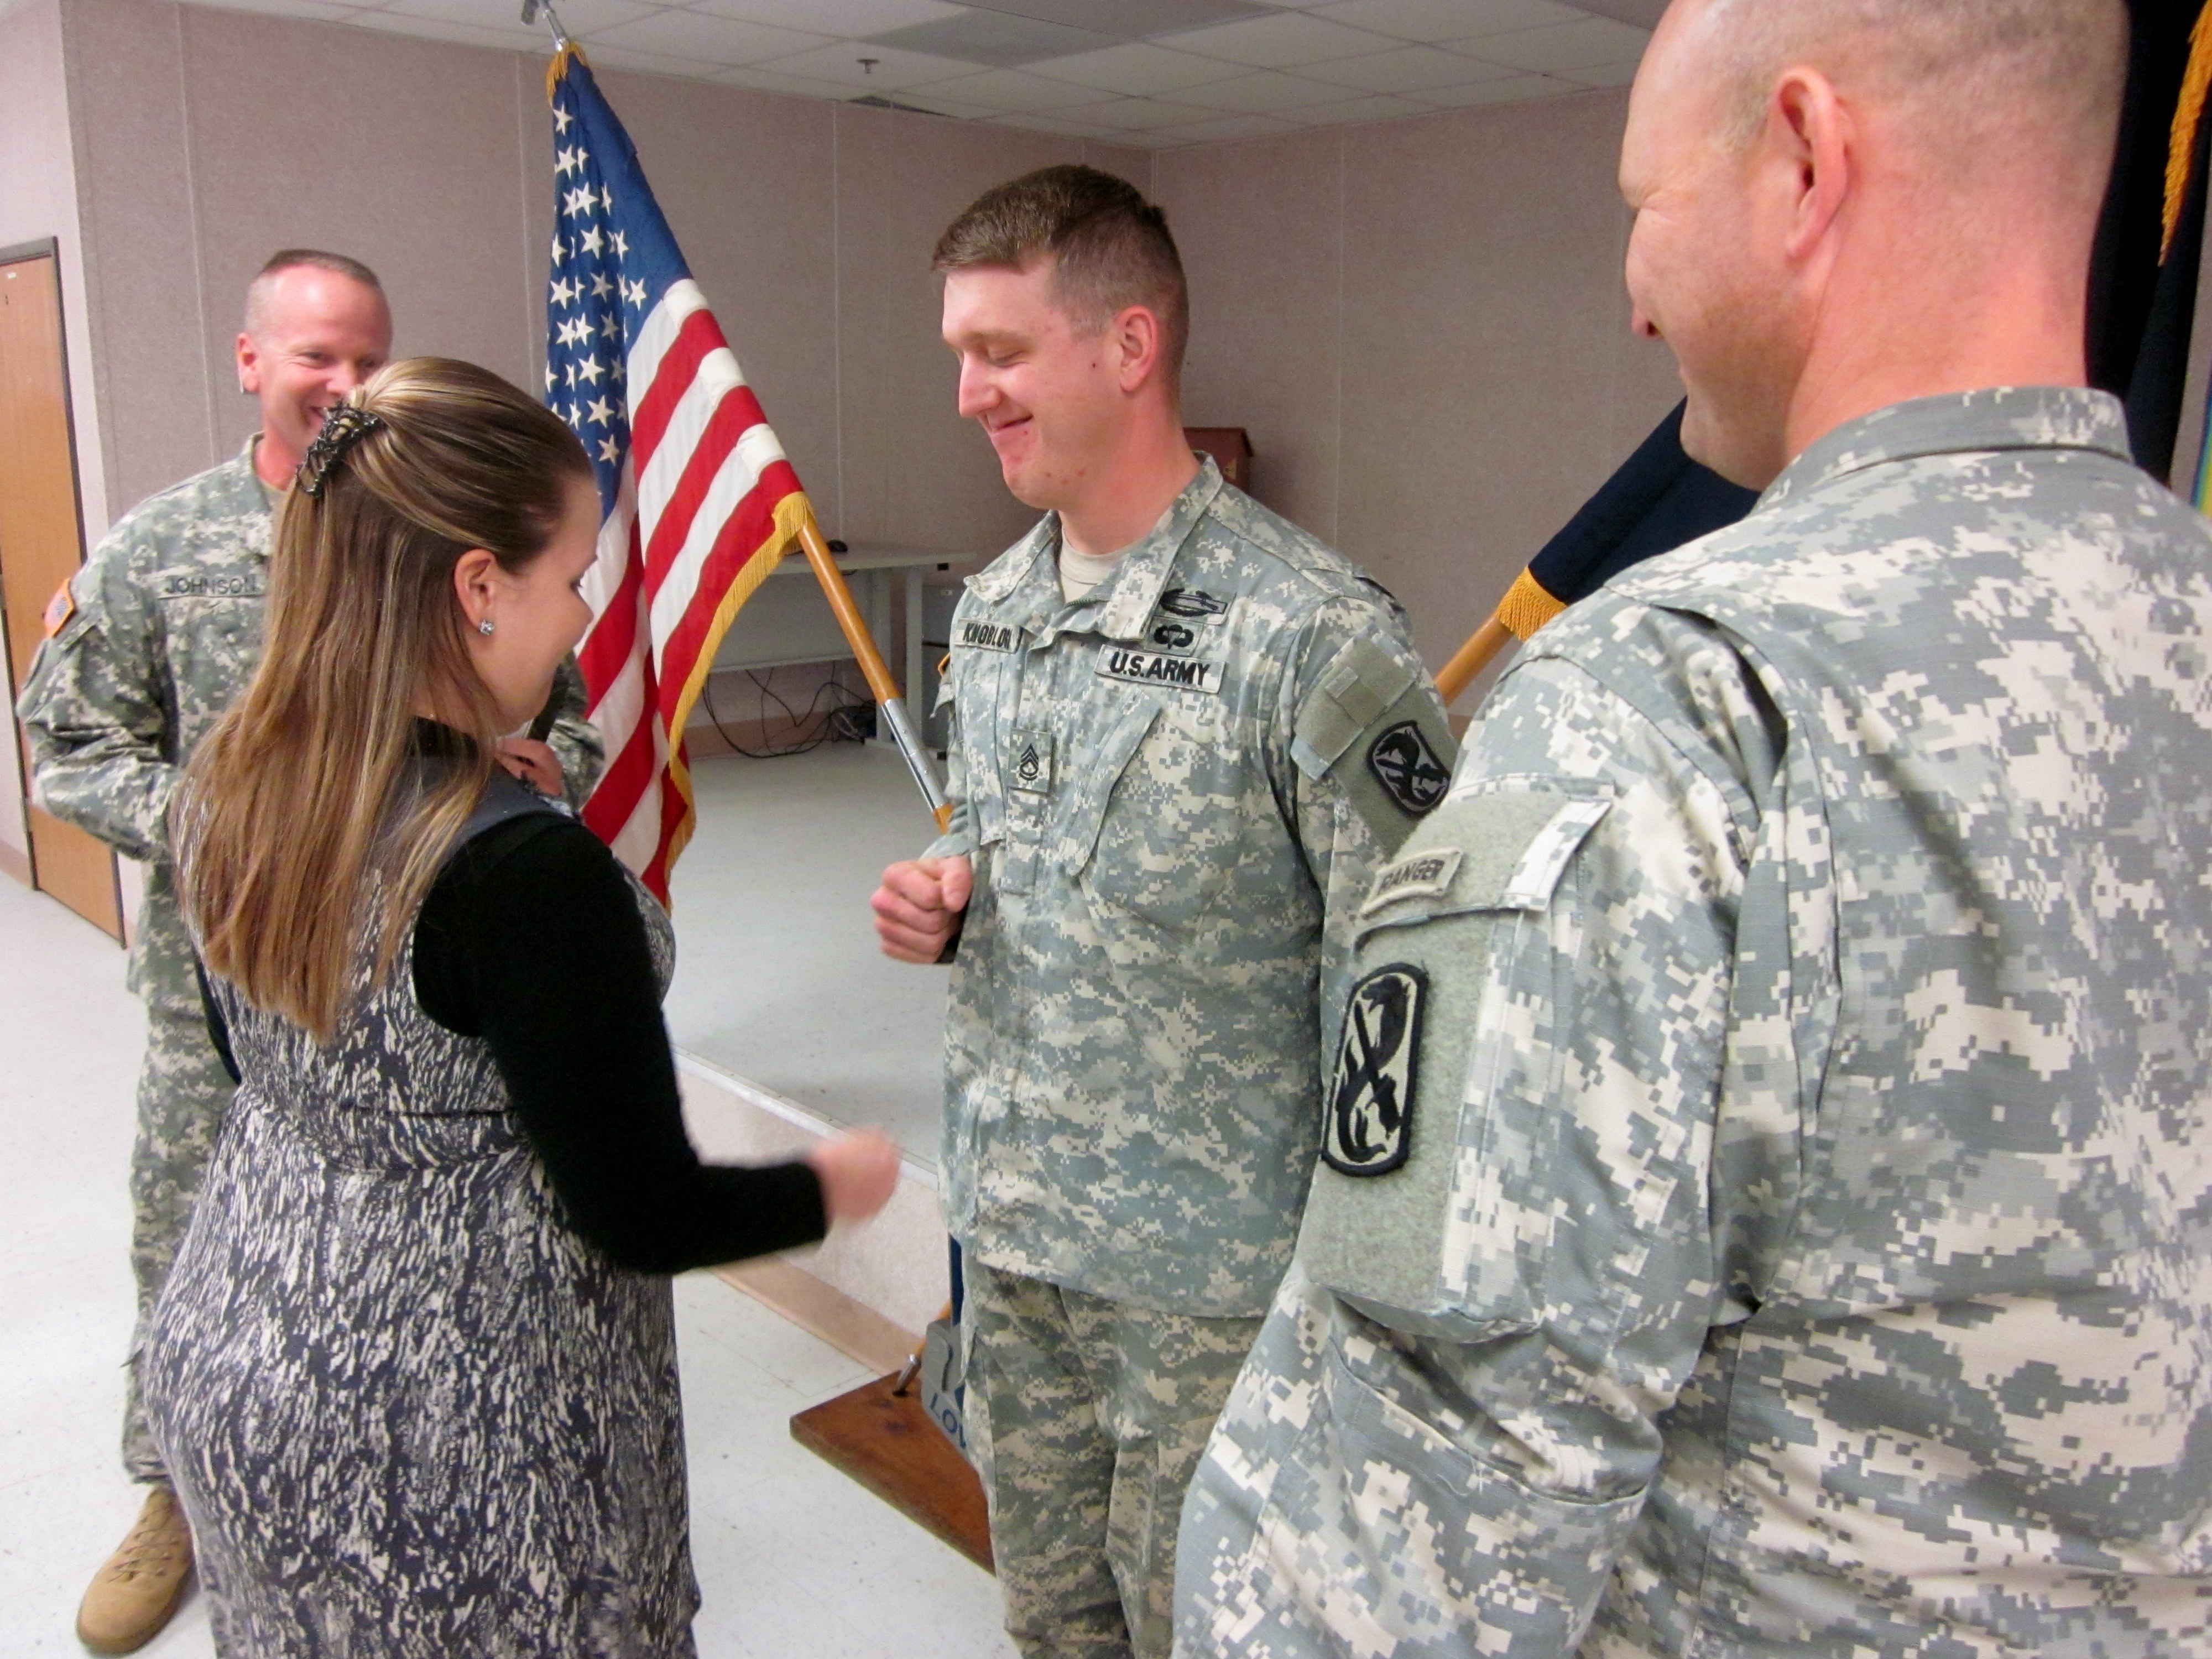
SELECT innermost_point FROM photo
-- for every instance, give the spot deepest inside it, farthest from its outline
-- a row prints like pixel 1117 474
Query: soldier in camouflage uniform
pixel 147 645
pixel 1767 1182
pixel 1171 787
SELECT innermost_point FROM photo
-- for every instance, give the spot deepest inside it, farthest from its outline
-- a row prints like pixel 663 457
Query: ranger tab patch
pixel 990 637
pixel 1370 1099
pixel 1408 769
pixel 1425 875
pixel 1118 662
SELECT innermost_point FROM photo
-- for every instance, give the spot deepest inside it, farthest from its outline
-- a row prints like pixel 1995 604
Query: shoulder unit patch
pixel 59 609
pixel 1408 769
pixel 1369 1130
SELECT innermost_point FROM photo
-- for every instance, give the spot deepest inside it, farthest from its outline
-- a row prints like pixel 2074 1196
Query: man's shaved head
pixel 261 292
pixel 1839 199
pixel 1973 80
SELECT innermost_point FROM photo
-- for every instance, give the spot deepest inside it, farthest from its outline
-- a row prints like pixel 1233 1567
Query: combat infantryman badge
pixel 1408 769
pixel 1371 1100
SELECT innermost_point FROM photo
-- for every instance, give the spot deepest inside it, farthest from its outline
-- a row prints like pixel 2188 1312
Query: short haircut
pixel 292 259
pixel 1962 71
pixel 1109 246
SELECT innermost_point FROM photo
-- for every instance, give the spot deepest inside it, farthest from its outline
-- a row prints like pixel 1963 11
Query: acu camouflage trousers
pixel 1085 1418
pixel 184 1094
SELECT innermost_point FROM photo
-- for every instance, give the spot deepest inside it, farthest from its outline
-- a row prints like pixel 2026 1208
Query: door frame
pixel 49 247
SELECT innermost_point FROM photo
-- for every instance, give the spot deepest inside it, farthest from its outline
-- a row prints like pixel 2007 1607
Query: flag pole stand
pixel 881 685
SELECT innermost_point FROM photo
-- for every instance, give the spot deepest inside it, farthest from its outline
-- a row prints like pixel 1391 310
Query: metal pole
pixel 884 688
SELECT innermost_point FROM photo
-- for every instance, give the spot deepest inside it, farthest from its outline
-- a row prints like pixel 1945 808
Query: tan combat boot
pixel 137 1592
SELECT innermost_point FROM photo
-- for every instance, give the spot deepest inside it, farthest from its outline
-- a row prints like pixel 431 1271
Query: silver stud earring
pixel 484 627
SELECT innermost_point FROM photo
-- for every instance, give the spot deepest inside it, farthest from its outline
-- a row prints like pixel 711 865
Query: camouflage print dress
pixel 411 1414
pixel 154 638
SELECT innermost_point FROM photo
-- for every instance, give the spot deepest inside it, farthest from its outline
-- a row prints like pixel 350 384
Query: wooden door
pixel 41 544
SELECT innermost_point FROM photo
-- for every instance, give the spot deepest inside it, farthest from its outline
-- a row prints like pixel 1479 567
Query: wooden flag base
pixel 885 1441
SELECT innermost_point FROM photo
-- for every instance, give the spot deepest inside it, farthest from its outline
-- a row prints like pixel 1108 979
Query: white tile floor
pixel 778 976
pixel 795 1561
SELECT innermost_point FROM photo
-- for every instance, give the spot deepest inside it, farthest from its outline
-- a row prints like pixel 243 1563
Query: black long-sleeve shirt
pixel 530 938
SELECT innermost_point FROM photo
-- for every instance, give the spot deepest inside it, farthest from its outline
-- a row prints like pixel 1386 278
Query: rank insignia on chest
pixel 1370 1129
pixel 990 635
pixel 1029 764
pixel 1408 769
pixel 1118 662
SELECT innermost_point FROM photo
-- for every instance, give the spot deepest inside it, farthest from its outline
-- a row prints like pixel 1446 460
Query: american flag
pixel 697 502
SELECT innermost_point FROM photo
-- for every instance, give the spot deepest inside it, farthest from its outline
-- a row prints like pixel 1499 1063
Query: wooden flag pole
pixel 881 685
pixel 1473 657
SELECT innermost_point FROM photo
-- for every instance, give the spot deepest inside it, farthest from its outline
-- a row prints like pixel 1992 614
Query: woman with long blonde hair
pixel 414 1372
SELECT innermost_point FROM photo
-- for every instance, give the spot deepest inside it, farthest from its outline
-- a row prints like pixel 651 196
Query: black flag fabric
pixel 2143 276
pixel 1659 499
pixel 2143 302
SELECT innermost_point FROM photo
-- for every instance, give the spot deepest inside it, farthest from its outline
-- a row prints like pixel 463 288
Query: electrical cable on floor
pixel 839 723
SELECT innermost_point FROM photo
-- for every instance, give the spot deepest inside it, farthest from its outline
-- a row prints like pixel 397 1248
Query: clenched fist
pixel 919 906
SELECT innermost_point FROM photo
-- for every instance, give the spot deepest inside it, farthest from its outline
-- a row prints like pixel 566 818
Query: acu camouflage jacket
pixel 1768 1206
pixel 1174 789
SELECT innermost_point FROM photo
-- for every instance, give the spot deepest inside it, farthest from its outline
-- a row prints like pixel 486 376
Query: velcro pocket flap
pixel 1360 685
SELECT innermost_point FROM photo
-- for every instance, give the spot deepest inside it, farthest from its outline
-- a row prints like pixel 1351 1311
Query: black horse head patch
pixel 1408 769
pixel 1371 1100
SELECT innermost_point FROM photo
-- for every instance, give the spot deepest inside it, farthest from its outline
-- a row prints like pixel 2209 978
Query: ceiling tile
pixel 675 33
pixel 1009 90
pixel 1228 127
pixel 1267 93
pixel 1409 69
pixel 1135 69
pixel 437 28
pixel 579 17
pixel 893 69
pixel 1591 44
pixel 1520 89
pixel 1645 14
pixel 840 17
pixel 1287 40
pixel 652 63
pixel 1361 109
pixel 1131 19
pixel 1136 114
pixel 1446 20
pixel 1609 74
pixel 976 36
pixel 314 10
